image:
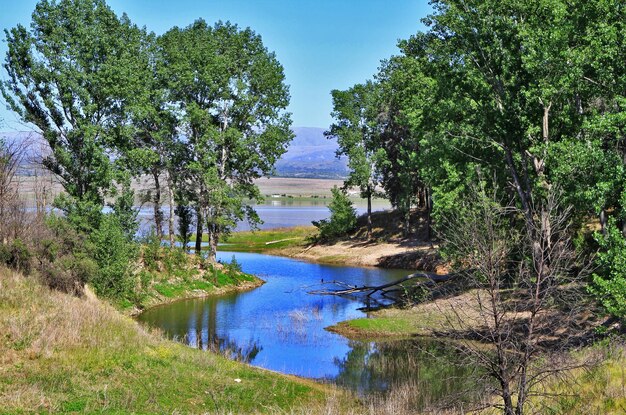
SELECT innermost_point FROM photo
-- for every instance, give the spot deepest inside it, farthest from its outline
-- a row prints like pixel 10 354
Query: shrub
pixel 174 259
pixel 233 268
pixel 16 255
pixel 114 254
pixel 609 280
pixel 342 216
pixel 151 251
pixel 69 273
pixel 185 220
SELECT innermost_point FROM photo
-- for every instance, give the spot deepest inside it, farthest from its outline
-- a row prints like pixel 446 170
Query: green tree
pixel 408 101
pixel 342 216
pixel 356 128
pixel 153 137
pixel 609 280
pixel 232 97
pixel 72 75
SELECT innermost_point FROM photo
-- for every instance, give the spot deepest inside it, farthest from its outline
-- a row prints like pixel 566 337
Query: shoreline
pixel 162 300
pixel 298 242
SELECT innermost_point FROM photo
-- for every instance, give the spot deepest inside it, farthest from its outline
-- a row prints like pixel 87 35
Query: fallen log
pixel 430 280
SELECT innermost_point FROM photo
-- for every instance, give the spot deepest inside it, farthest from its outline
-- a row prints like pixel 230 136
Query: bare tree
pixel 526 302
pixel 12 214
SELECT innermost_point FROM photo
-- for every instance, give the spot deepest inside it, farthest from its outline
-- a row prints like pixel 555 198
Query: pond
pixel 279 326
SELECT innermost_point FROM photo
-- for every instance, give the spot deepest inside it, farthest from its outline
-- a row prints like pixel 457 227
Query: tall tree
pixel 232 97
pixel 72 76
pixel 153 139
pixel 356 128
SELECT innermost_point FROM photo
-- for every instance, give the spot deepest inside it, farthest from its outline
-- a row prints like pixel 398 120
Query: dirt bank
pixel 369 253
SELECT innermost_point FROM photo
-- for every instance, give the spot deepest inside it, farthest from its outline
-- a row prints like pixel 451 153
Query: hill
pixel 311 155
pixel 62 354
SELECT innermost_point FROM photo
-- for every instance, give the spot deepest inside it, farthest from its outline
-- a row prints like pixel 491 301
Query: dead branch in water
pixel 430 281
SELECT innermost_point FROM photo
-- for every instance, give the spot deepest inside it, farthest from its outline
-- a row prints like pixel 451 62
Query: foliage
pixel 151 250
pixel 71 75
pixel 16 255
pixel 356 130
pixel 342 216
pixel 114 255
pixel 609 281
pixel 185 222
pixel 231 94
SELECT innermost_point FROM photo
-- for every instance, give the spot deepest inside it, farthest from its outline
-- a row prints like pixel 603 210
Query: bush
pixel 114 254
pixel 151 251
pixel 16 255
pixel 69 273
pixel 342 217
pixel 174 259
pixel 609 280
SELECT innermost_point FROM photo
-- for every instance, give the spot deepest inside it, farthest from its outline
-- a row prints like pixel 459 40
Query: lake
pixel 280 326
pixel 279 212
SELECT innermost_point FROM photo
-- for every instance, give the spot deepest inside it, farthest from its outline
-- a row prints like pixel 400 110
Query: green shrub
pixel 609 280
pixel 174 259
pixel 151 252
pixel 114 255
pixel 185 220
pixel 16 255
pixel 342 217
pixel 68 273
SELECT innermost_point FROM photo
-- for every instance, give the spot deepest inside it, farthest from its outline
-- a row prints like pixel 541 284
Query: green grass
pixel 421 320
pixel 61 354
pixel 268 240
pixel 167 275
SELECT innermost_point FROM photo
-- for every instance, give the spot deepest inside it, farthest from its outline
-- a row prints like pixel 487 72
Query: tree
pixel 11 211
pixel 526 285
pixel 342 216
pixel 609 280
pixel 356 130
pixel 72 75
pixel 153 142
pixel 232 96
pixel 408 100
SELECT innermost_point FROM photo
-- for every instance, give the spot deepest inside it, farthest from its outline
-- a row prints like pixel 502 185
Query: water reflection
pixel 280 326
pixel 433 371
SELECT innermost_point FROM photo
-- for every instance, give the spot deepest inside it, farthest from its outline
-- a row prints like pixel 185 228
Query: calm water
pixel 278 213
pixel 280 326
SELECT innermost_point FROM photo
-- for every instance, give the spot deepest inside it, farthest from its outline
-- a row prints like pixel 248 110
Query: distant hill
pixel 311 155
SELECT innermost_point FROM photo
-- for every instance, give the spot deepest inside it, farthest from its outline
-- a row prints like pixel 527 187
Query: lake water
pixel 279 213
pixel 280 326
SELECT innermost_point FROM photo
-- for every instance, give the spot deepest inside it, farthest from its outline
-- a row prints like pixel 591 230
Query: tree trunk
pixel 156 200
pixel 603 221
pixel 429 207
pixel 406 229
pixel 198 232
pixel 170 196
pixel 369 212
pixel 213 239
pixel 506 397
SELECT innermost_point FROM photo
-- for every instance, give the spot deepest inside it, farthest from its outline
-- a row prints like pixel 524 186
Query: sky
pixel 322 44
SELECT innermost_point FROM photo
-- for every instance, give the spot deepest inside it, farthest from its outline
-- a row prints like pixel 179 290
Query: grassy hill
pixel 62 354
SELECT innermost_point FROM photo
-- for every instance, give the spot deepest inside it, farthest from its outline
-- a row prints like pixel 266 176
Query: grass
pixel 423 319
pixel 168 275
pixel 269 240
pixel 598 390
pixel 61 354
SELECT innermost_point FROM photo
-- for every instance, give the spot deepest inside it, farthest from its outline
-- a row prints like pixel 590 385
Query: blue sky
pixel 322 44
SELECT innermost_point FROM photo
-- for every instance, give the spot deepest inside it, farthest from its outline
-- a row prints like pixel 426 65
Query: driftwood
pixel 430 280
